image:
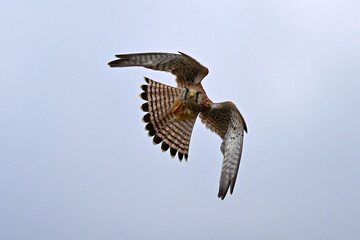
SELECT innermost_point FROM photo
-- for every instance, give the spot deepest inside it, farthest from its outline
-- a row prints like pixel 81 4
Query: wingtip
pixel 221 195
pixel 113 63
pixel 223 190
pixel 122 55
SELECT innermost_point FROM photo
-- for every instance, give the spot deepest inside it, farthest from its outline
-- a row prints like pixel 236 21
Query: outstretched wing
pixel 188 71
pixel 226 120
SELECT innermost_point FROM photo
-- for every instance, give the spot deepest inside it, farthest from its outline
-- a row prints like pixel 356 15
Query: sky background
pixel 76 163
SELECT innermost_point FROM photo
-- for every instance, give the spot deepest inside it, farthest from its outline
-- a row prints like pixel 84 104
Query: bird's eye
pixel 197 96
pixel 186 92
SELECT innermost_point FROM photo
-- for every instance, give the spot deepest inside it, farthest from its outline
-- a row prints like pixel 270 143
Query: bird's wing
pixel 226 120
pixel 188 71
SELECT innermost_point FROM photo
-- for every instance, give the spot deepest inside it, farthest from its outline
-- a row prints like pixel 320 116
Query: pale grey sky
pixel 76 163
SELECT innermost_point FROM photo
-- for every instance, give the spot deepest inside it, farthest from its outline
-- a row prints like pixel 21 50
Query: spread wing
pixel 188 71
pixel 226 120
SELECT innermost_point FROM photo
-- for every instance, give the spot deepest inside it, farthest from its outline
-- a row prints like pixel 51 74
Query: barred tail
pixel 161 124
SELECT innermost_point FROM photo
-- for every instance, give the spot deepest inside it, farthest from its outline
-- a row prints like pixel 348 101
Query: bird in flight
pixel 171 111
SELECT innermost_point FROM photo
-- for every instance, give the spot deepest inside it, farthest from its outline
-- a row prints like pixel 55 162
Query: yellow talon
pixel 181 112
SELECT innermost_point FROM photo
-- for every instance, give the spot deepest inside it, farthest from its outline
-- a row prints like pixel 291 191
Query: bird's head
pixel 191 97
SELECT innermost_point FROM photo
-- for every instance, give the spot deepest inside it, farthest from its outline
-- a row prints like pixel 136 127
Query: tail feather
pixel 161 124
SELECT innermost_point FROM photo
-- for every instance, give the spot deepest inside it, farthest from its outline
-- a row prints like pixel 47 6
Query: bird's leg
pixel 181 112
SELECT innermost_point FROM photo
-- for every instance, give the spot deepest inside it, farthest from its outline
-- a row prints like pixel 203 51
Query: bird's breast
pixel 182 112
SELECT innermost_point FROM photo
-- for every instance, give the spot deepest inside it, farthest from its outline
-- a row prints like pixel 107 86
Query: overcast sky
pixel 76 163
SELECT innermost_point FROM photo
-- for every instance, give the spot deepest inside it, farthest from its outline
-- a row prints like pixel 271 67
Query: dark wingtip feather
pixel 224 188
pixel 114 63
pixel 122 55
pixel 186 157
pixel 221 194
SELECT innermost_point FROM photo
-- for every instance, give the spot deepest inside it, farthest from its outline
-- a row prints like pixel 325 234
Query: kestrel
pixel 172 111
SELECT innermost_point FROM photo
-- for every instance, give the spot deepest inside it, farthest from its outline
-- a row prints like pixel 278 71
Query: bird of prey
pixel 171 111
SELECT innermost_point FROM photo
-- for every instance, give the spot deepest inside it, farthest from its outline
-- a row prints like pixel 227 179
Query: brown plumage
pixel 161 123
pixel 171 112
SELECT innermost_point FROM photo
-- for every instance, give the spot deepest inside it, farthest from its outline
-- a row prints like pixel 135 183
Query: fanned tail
pixel 161 123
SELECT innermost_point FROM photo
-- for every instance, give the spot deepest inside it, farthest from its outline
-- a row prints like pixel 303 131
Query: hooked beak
pixel 192 94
